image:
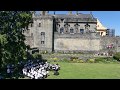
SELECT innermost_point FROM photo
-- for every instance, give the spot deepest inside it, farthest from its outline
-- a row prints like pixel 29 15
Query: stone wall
pixel 89 41
pixel 77 42
pixel 107 40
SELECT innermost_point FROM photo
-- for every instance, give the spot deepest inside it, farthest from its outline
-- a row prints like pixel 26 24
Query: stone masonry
pixel 71 32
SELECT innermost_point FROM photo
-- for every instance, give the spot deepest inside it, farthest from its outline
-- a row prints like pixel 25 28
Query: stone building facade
pixel 67 33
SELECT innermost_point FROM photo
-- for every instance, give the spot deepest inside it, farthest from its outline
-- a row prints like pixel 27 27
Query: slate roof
pixel 73 16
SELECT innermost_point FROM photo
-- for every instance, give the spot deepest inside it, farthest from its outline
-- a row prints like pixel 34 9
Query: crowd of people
pixel 39 70
pixel 34 69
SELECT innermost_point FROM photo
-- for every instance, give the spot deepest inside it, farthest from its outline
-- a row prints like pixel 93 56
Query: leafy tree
pixel 12 46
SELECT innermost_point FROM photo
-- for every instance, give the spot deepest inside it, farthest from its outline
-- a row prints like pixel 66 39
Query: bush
pixel 37 56
pixel 73 58
pixel 91 60
pixel 81 61
pixel 105 60
pixel 29 56
pixel 55 59
pixel 117 56
pixel 65 60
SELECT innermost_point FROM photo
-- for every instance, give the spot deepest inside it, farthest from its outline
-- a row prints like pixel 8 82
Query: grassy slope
pixel 87 71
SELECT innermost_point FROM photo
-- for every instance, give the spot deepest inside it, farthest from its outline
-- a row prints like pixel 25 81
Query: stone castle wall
pixel 77 42
pixel 89 41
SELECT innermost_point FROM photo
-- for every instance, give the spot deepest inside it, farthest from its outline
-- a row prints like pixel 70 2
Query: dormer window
pixel 66 27
pixel 87 26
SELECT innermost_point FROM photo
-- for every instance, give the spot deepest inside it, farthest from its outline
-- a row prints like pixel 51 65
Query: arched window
pixel 62 30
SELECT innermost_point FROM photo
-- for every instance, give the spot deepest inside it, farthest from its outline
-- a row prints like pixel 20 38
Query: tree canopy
pixel 12 46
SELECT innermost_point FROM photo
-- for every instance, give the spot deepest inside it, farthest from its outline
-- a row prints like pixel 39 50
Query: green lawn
pixel 87 71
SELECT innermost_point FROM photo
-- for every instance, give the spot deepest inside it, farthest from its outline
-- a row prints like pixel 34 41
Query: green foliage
pixel 117 56
pixel 105 60
pixel 91 60
pixel 65 60
pixel 55 59
pixel 37 56
pixel 81 61
pixel 12 46
pixel 73 58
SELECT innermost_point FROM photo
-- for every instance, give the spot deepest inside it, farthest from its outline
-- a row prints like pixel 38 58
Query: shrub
pixel 99 59
pixel 37 56
pixel 65 60
pixel 29 56
pixel 81 61
pixel 117 56
pixel 55 59
pixel 91 60
pixel 105 60
pixel 72 58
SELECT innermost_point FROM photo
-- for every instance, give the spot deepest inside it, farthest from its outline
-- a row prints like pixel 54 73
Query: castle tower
pixel 43 32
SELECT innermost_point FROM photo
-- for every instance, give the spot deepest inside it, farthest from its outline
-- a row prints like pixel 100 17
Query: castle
pixel 69 33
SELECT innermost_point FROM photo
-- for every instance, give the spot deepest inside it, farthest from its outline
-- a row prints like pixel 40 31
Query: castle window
pixel 71 30
pixel 39 25
pixel 32 35
pixel 62 30
pixel 42 38
pixel 101 33
pixel 42 33
pixel 82 31
pixel 42 42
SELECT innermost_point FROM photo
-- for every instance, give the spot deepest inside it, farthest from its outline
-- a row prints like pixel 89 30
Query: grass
pixel 87 71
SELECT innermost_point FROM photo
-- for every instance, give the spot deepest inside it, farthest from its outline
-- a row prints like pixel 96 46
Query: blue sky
pixel 110 19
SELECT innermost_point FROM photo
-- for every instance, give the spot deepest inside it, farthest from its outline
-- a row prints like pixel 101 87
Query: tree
pixel 12 46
